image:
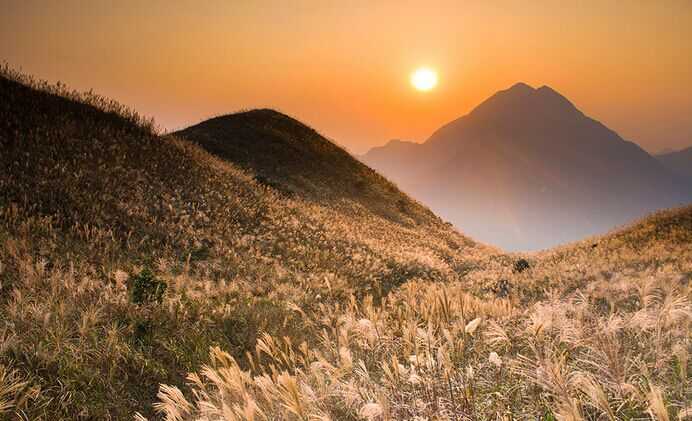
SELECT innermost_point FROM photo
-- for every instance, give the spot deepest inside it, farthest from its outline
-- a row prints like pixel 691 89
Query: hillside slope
pixel 294 159
pixel 527 170
pixel 659 242
pixel 92 202
pixel 583 332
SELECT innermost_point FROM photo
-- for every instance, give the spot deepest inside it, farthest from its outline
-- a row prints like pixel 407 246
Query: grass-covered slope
pixel 658 247
pixel 578 333
pixel 124 256
pixel 661 238
pixel 294 159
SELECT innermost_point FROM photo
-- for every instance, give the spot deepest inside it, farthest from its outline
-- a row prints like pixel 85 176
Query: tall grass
pixel 100 102
pixel 413 357
pixel 277 307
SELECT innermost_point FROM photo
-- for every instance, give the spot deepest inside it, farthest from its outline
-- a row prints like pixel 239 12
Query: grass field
pixel 198 278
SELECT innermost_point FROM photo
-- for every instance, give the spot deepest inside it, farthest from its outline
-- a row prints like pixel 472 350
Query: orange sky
pixel 343 67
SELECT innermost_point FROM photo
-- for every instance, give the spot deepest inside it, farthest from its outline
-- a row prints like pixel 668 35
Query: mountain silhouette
pixel 527 170
pixel 679 162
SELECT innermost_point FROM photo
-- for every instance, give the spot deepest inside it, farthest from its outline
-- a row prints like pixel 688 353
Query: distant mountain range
pixel 527 170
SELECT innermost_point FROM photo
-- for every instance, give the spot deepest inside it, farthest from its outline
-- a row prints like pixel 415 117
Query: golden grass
pixel 284 308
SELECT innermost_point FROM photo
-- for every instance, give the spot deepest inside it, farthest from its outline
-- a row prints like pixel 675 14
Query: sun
pixel 424 79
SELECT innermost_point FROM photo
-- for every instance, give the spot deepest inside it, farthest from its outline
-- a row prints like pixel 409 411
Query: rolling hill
pixel 527 170
pixel 294 159
pixel 256 271
pixel 91 200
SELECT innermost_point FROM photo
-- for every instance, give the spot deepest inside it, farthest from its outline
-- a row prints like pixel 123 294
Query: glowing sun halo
pixel 424 79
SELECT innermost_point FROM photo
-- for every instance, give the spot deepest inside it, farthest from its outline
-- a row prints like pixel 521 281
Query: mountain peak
pixel 555 96
pixel 526 161
pixel 547 89
pixel 520 87
pixel 522 98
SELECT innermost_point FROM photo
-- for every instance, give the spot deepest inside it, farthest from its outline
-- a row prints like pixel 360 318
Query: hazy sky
pixel 343 66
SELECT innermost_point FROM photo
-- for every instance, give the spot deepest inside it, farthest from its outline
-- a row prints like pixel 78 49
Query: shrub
pixel 145 288
pixel 521 265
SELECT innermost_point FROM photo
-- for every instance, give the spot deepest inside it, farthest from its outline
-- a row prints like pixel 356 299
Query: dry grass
pixel 279 307
pixel 415 357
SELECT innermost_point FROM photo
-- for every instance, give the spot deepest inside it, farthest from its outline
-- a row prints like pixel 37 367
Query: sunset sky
pixel 344 67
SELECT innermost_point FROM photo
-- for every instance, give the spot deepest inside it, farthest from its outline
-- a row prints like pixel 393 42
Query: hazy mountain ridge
pixel 679 162
pixel 526 169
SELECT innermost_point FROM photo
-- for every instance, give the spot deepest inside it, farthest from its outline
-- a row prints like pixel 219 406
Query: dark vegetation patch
pixel 145 288
pixel 520 266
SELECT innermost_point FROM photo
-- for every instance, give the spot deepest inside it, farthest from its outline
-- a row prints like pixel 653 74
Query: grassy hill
pixel 300 287
pixel 294 159
pixel 91 198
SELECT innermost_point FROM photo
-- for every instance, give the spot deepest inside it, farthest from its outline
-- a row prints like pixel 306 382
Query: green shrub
pixel 145 288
